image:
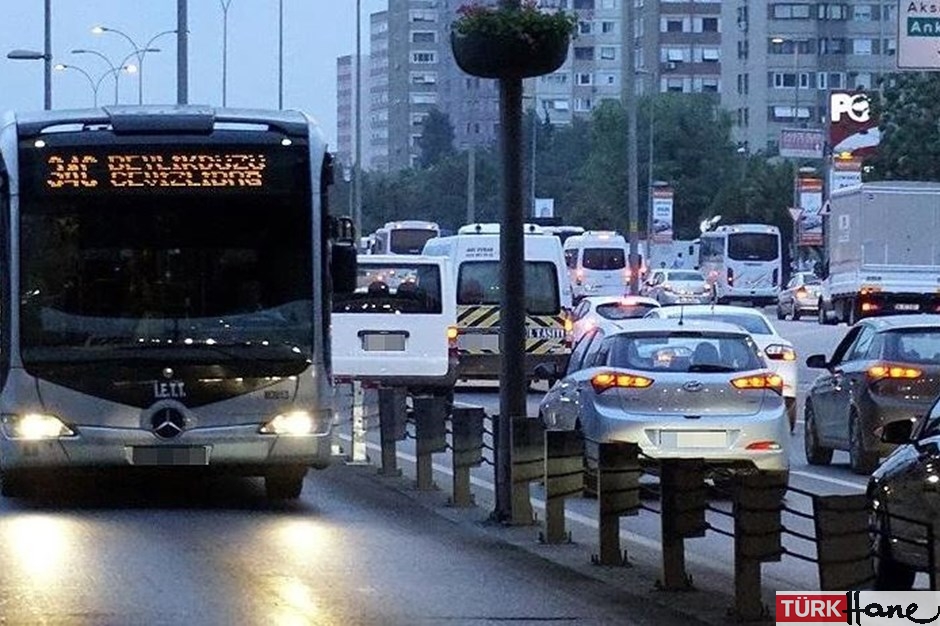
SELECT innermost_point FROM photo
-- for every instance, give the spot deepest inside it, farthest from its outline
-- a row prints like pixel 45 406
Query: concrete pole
pixel 630 101
pixel 513 390
pixel 471 185
pixel 357 165
pixel 182 52
pixel 280 54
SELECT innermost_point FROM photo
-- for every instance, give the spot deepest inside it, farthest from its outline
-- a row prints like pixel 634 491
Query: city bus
pixel 743 262
pixel 166 294
pixel 405 237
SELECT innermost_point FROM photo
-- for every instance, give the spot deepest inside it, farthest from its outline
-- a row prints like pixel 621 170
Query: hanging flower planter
pixel 495 42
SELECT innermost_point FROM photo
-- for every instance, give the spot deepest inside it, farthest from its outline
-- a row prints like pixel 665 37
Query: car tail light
pixel 780 352
pixel 569 330
pixel 626 277
pixel 869 306
pixel 801 292
pixel 763 445
pixel 667 287
pixel 730 276
pixel 579 276
pixel 452 334
pixel 608 380
pixel 760 381
pixel 897 372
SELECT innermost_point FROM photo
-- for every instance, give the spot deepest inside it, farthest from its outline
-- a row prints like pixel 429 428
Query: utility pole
pixel 471 185
pixel 182 52
pixel 280 55
pixel 357 165
pixel 629 101
pixel 47 56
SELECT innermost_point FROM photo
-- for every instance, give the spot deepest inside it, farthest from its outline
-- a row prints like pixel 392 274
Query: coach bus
pixel 743 262
pixel 404 237
pixel 166 293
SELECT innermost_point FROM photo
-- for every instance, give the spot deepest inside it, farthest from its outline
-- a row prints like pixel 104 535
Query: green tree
pixel 910 137
pixel 437 139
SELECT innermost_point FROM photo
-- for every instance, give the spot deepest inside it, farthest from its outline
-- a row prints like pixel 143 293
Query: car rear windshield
pixel 405 288
pixel 684 352
pixel 751 323
pixel 478 283
pixel 603 259
pixel 685 276
pixel 920 345
pixel 621 311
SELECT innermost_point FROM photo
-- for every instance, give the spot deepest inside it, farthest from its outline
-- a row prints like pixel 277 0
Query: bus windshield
pixel 478 283
pixel 119 269
pixel 753 246
pixel 409 240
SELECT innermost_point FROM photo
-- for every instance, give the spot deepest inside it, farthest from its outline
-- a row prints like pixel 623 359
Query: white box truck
pixel 883 249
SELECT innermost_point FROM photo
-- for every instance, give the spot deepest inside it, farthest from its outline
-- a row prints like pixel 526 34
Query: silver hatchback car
pixel 693 389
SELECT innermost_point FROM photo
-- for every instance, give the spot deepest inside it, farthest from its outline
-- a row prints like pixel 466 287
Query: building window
pixel 709 24
pixel 608 27
pixel 423 98
pixel 742 49
pixel 783 80
pixel 791 11
pixel 836 80
pixel 821 83
pixel 865 13
pixel 675 85
pixel 423 78
pixel 710 55
pixel 709 85
pixel 584 28
pixel 608 53
pixel 583 53
pixel 889 47
pixel 422 15
pixel 674 55
pixel 862 46
pixel 423 36
pixel 606 78
pixel 554 79
pixel 859 80
pixel 832 45
pixel 585 78
pixel 417 119
pixel 608 4
pixel 672 26
pixel 558 105
pixel 582 104
pixel 832 11
pixel 584 5
pixel 420 58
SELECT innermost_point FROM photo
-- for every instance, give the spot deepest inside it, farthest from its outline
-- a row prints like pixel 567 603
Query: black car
pixel 885 369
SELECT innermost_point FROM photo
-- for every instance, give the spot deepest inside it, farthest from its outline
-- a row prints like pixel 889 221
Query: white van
pixel 598 264
pixel 474 255
pixel 398 328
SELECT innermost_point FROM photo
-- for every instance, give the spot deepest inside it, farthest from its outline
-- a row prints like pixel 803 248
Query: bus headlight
pixel 35 426
pixel 292 424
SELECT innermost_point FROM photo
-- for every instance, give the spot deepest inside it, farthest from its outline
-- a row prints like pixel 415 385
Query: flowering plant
pixel 526 22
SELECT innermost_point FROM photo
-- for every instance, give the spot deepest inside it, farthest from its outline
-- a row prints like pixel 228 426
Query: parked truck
pixel 883 251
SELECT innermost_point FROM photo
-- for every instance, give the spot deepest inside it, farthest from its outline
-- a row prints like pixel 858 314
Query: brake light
pixel 760 381
pixel 667 287
pixel 452 333
pixel 608 380
pixel 763 445
pixel 780 352
pixel 730 276
pixel 569 330
pixel 626 276
pixel 878 372
pixel 801 292
pixel 869 306
pixel 579 276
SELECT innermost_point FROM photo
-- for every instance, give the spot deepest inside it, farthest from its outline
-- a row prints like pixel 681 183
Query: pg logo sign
pixel 852 107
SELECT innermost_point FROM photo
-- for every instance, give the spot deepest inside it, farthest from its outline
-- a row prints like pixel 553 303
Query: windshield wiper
pixel 711 367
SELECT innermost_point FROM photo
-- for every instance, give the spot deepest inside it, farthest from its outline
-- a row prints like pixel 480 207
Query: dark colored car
pixel 904 496
pixel 885 369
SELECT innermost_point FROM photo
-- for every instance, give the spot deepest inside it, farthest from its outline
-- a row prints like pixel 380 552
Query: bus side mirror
pixel 343 254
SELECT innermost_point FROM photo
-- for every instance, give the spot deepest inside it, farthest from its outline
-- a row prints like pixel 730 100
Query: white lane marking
pixel 828 479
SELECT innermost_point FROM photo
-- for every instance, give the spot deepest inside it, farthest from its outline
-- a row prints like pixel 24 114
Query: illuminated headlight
pixel 293 423
pixel 35 426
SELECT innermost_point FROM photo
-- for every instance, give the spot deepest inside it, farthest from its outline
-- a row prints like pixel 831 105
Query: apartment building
pixel 346 110
pixel 780 60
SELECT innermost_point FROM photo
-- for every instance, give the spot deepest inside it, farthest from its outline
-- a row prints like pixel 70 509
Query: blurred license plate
pixel 703 439
pixel 170 455
pixel 383 342
pixel 902 306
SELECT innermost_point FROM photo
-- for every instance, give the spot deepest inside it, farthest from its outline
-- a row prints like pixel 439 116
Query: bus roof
pixel 411 224
pixel 493 229
pixel 744 228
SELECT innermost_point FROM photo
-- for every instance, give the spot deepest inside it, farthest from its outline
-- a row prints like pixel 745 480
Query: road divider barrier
pixel 564 477
pixel 393 426
pixel 618 494
pixel 466 437
pixel 430 415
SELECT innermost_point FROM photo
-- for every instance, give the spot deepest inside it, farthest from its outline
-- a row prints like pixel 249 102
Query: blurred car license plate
pixel 701 439
pixel 383 342
pixel 902 306
pixel 170 455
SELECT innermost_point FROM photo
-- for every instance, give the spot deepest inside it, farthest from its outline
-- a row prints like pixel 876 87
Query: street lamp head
pixel 25 55
pixel 97 30
pixel 130 68
pixel 60 66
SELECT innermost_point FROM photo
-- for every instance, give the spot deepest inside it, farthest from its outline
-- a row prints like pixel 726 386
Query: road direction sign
pixel 918 35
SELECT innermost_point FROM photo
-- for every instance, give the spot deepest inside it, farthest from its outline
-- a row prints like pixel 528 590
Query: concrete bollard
pixel 358 455
pixel 683 497
pixel 758 502
pixel 843 551
pixel 430 413
pixel 466 448
pixel 392 426
pixel 528 458
pixel 564 476
pixel 618 494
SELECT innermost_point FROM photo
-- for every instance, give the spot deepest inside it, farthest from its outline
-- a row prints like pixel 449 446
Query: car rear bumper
pixel 410 381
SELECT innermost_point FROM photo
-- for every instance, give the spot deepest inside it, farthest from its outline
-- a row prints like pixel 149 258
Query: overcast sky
pixel 315 33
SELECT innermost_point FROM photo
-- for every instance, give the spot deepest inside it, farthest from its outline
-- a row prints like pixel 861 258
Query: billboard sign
pixel 544 207
pixel 918 36
pixel 802 143
pixel 853 129
pixel 809 226
pixel 845 173
pixel 661 228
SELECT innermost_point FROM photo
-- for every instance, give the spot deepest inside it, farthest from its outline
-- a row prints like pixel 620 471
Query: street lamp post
pixel 225 5
pixel 139 51
pixel 115 69
pixel 94 84
pixel 45 55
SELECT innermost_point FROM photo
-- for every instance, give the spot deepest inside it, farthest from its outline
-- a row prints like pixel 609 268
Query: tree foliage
pixel 910 136
pixel 437 139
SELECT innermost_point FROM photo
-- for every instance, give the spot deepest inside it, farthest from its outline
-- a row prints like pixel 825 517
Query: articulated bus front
pixel 167 295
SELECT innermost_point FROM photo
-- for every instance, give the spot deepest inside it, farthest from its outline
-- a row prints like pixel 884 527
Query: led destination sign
pixel 100 169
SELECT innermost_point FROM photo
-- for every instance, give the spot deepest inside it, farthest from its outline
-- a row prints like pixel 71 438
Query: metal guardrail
pixel 568 466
